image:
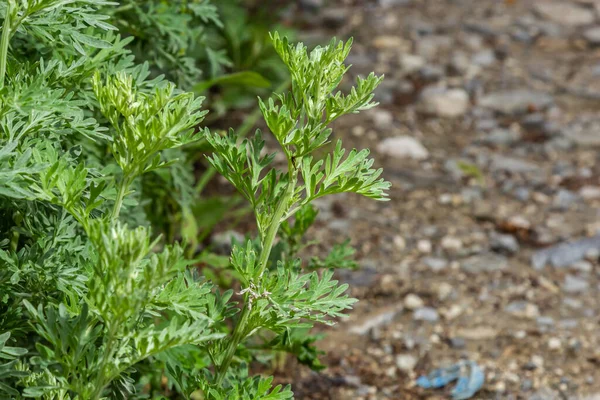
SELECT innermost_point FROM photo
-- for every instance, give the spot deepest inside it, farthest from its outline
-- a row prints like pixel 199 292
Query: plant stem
pixel 121 191
pixel 239 332
pixel 6 33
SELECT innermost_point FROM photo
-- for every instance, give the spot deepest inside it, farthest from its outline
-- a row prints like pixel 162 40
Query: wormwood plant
pixel 90 301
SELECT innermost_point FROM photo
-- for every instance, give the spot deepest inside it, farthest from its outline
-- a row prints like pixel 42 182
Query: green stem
pixel 121 191
pixel 239 332
pixel 4 40
pixel 238 335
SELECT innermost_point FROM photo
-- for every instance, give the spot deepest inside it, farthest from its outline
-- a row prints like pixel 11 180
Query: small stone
pixel 399 242
pixel 410 63
pixel 554 343
pixel 565 13
pixel 575 284
pixel 335 17
pixel 412 301
pixel 478 333
pixel 522 309
pixel 424 246
pixel 311 5
pixel 435 264
pixel 592 35
pixel 564 199
pixel 403 147
pixel 223 241
pixel 458 343
pixel 448 103
pixel 406 362
pixel 582 266
pixel 504 243
pixel 484 58
pixel 545 321
pixel 382 118
pixel 516 102
pixel 526 385
pixel 538 361
pixel 590 192
pixel 501 137
pixel 487 262
pixel 451 243
pixel 512 164
pixel 427 314
pixel 444 291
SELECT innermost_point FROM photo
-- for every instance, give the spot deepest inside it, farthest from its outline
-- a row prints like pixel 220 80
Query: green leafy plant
pixel 92 304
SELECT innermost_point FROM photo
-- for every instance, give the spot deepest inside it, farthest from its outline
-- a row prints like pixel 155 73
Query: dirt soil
pixel 489 132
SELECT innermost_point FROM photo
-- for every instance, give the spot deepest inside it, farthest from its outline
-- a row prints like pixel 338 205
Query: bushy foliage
pixel 92 304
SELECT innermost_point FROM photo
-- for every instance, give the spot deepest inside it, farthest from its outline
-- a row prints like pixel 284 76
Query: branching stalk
pixel 239 331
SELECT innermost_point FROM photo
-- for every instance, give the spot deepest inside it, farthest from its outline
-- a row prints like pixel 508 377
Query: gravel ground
pixel 487 251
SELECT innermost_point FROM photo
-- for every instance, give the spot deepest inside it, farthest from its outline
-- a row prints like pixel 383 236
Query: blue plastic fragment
pixel 468 374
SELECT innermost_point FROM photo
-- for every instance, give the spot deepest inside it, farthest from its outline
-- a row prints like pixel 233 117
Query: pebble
pixel 592 35
pixel 410 63
pixel 451 243
pixel 504 243
pixel 403 147
pixel 435 264
pixel 413 302
pixel 406 362
pixel 445 103
pixel 424 246
pixel 487 262
pixel 501 137
pixel 554 343
pixel 522 309
pixel 565 254
pixel 575 284
pixel 458 343
pixel 335 17
pixel 565 13
pixel 223 241
pixel 516 102
pixel 427 314
pixel 590 192
pixel 382 118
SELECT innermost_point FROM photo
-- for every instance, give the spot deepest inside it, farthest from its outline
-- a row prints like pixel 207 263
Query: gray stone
pixel 484 58
pixel 564 199
pixel 515 102
pixel 522 309
pixel 435 264
pixel 403 147
pixel 410 63
pixel 440 102
pixel 501 137
pixel 592 35
pixel 406 362
pixel 504 243
pixel 565 254
pixel 487 262
pixel 335 17
pixel 458 343
pixel 223 241
pixel 427 314
pixel 511 164
pixel 584 132
pixel 311 5
pixel 575 284
pixel 545 321
pixel 565 13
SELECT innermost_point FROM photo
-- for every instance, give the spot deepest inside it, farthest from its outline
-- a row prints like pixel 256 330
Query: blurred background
pixel 488 250
pixel 488 130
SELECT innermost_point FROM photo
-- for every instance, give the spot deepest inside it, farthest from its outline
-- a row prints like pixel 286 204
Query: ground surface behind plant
pixel 446 265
